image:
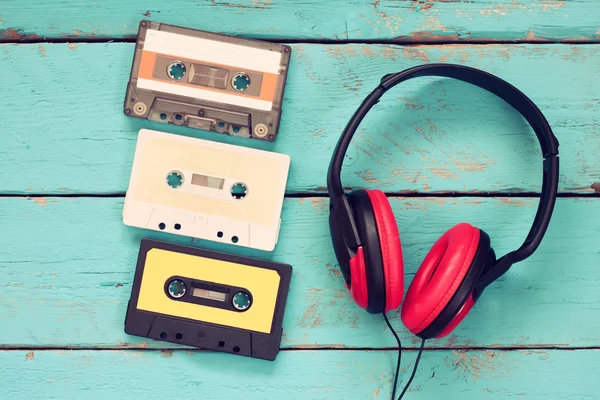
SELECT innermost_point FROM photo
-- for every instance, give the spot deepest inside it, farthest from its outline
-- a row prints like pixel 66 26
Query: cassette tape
pixel 206 190
pixel 209 300
pixel 207 81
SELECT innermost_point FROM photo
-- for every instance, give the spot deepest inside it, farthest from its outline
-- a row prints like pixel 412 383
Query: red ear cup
pixel 439 277
pixel 366 267
pixel 358 279
pixel 391 249
pixel 459 317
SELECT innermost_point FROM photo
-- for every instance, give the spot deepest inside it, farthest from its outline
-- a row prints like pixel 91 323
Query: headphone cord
pixel 400 358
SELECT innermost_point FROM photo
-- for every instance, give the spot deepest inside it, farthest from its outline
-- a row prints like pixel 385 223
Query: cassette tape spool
pixel 209 300
pixel 206 190
pixel 207 81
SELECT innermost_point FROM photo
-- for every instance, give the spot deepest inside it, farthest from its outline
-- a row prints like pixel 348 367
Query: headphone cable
pixel 412 376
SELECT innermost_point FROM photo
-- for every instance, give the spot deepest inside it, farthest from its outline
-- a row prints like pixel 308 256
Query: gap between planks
pixel 303 195
pixel 142 348
pixel 398 42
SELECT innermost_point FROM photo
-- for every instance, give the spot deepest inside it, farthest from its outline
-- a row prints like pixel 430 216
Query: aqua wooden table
pixel 443 152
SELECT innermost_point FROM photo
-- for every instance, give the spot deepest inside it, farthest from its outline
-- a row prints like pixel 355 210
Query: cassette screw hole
pixel 174 179
pixel 241 301
pixel 163 335
pixel 177 227
pixel 221 344
pixel 176 70
pixel 240 82
pixel 163 116
pixel 220 234
pixel 261 130
pixel 239 191
pixel 236 349
pixel 234 239
pixel 177 289
pixel 162 226
pixel 179 336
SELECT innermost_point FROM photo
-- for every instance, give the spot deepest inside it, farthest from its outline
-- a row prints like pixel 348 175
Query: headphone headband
pixel 504 90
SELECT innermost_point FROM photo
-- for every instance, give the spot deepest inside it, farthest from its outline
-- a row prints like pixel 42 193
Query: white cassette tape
pixel 206 190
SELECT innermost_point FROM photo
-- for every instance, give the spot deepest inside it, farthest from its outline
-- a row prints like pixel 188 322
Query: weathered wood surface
pixel 68 264
pixel 334 375
pixel 399 20
pixel 63 129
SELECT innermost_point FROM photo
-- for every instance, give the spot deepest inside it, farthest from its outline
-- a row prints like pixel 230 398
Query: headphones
pixel 462 263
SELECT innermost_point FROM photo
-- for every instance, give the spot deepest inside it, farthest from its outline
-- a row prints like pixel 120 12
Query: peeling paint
pixel 71 46
pixel 12 34
pixel 42 201
pixel 414 53
pixel 30 356
pixel 514 202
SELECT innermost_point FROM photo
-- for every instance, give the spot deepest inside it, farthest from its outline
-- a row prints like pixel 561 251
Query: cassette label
pixel 207 299
pixel 194 70
pixel 262 283
pixel 206 190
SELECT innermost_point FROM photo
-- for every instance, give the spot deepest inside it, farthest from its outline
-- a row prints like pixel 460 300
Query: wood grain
pixel 399 20
pixel 67 266
pixel 471 375
pixel 64 131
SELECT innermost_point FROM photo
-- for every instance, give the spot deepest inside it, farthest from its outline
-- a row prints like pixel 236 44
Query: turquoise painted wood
pixel 69 135
pixel 399 20
pixel 334 375
pixel 68 264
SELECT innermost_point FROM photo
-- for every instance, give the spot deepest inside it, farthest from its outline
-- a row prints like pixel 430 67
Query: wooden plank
pixel 298 374
pixel 400 20
pixel 64 130
pixel 67 267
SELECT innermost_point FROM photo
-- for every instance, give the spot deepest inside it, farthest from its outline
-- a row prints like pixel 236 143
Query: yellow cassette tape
pixel 208 299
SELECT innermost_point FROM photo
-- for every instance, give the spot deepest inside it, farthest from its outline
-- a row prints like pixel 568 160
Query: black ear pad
pixel 483 257
pixel 367 230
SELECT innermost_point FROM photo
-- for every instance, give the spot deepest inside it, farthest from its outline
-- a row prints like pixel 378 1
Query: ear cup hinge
pixel 342 214
pixel 492 273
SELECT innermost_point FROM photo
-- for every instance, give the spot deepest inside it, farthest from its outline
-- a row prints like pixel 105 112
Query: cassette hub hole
pixel 221 344
pixel 239 191
pixel 234 239
pixel 221 125
pixel 241 301
pixel 177 288
pixel 236 129
pixel 178 117
pixel 162 226
pixel 236 349
pixel 176 70
pixel 174 179
pixel 179 336
pixel 163 116
pixel 240 82
pixel 220 234
pixel 163 335
pixel 177 227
